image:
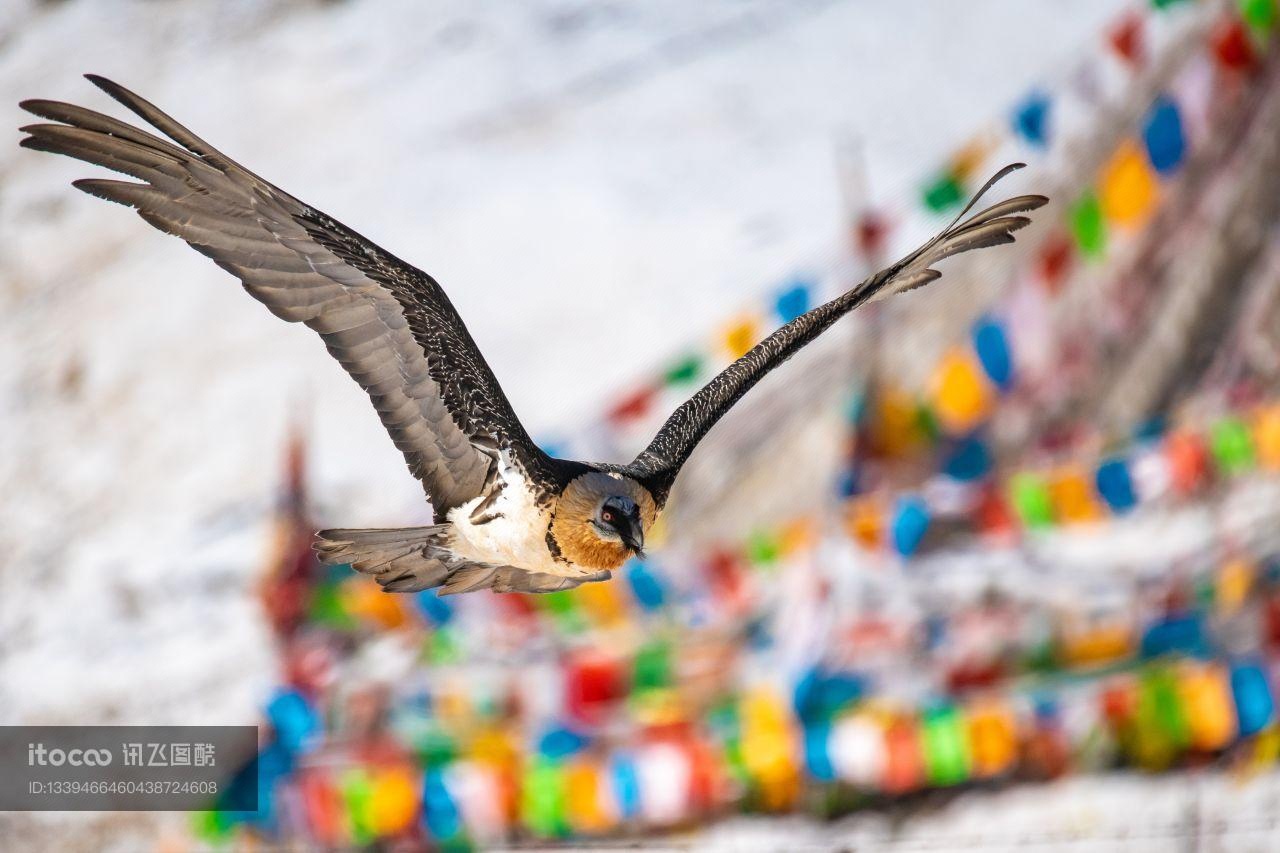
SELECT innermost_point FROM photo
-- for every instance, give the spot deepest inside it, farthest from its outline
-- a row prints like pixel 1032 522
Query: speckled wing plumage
pixel 389 324
pixel 659 463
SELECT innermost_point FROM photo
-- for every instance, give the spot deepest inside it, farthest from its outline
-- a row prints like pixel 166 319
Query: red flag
pixel 633 406
pixel 1126 39
pixel 1231 45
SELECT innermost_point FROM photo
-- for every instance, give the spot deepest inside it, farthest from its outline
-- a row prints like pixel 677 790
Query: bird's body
pixel 507 529
pixel 508 517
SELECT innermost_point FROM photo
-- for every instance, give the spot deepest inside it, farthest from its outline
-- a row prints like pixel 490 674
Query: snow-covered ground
pixel 595 183
pixel 1098 814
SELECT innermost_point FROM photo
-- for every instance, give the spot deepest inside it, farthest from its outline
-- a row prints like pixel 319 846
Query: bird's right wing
pixel 389 324
pixel 659 463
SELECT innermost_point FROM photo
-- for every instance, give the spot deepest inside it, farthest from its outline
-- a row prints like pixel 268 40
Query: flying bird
pixel 508 516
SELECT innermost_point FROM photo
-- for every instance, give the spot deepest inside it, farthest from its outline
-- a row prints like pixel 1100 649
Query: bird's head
pixel 618 519
pixel 601 519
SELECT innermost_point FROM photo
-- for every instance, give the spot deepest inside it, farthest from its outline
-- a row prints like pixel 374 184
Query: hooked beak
pixel 632 533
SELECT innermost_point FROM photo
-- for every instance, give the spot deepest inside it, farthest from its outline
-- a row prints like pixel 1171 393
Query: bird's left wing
pixel 659 463
pixel 389 324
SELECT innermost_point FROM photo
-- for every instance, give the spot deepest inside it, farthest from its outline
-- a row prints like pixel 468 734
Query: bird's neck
pixel 578 545
pixel 571 531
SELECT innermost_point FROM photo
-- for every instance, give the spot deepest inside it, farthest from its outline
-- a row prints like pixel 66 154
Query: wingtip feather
pixel 34 106
pixel 101 82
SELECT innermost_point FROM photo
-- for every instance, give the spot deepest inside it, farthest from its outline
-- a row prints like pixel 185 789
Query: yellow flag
pixel 741 337
pixel 1266 437
pixel 1072 497
pixel 1128 188
pixel 603 602
pixel 961 396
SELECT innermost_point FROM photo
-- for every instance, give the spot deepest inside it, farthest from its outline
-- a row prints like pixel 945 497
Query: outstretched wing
pixel 659 463
pixel 389 324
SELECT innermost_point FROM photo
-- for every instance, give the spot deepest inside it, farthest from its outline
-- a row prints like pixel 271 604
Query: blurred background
pixel 993 565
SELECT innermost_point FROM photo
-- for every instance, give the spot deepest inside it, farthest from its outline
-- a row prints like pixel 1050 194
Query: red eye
pixel 606 515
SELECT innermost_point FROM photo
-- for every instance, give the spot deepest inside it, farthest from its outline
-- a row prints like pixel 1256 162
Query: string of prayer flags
pixel 1125 195
pixel 568 782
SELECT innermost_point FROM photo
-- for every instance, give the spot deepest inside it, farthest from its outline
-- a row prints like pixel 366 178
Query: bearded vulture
pixel 508 516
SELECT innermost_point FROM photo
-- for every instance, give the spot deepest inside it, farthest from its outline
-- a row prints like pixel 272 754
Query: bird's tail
pixel 989 227
pixel 401 559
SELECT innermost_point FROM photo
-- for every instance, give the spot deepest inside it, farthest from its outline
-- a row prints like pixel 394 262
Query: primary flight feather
pixel 508 516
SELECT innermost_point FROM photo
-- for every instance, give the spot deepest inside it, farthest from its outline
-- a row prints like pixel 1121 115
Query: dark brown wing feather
pixel 389 324
pixel 659 463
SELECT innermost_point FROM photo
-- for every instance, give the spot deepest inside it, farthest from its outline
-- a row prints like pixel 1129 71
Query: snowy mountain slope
pixel 595 184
